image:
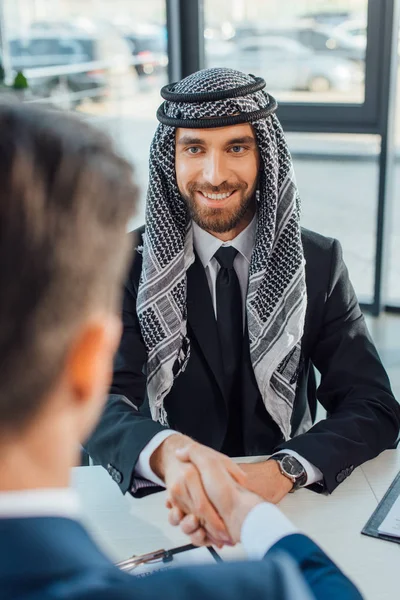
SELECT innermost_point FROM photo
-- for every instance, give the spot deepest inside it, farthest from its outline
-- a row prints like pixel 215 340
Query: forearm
pixel 266 480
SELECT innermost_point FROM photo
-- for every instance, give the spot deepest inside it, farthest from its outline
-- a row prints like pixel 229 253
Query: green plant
pixel 20 81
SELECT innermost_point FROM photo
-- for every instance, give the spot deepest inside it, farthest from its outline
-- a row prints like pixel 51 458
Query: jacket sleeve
pixel 322 575
pixel 363 418
pixel 294 569
pixel 125 428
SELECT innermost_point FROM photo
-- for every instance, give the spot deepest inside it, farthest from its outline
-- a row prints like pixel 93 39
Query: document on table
pixel 197 556
pixel 391 523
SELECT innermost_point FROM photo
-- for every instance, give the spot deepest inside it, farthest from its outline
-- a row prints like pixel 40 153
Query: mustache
pixel 224 188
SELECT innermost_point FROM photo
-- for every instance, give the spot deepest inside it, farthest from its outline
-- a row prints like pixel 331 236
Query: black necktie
pixel 229 315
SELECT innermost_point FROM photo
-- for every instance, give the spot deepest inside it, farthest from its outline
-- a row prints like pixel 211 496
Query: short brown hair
pixel 65 201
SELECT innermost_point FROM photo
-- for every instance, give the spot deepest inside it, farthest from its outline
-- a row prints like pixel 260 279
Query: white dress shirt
pixel 206 245
pixel 43 502
pixel 263 527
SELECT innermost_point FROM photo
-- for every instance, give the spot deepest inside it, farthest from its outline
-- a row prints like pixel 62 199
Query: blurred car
pixel 327 17
pixel 41 49
pixel 149 50
pixel 321 39
pixel 329 40
pixel 287 65
pixel 356 29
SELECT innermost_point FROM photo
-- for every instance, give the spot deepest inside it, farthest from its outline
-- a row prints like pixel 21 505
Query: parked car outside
pixel 40 49
pixel 321 39
pixel 329 40
pixel 327 17
pixel 354 28
pixel 286 64
pixel 149 50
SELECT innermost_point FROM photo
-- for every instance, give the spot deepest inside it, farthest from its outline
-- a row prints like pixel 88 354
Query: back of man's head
pixel 65 201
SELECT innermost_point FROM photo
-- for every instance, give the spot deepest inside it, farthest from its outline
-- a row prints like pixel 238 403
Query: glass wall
pixel 105 59
pixel 306 50
pixel 394 247
pixel 312 51
pixel 337 176
pixel 393 282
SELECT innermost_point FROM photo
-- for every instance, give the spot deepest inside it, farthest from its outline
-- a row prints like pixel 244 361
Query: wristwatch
pixel 291 468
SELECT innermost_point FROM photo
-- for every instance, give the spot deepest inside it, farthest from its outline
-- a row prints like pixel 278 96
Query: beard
pixel 219 220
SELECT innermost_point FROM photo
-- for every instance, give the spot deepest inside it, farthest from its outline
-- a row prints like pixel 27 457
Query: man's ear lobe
pixel 91 356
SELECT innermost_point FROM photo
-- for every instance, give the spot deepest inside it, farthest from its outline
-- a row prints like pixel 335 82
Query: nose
pixel 215 171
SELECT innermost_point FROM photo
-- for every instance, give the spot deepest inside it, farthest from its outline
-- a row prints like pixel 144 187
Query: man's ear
pixel 90 360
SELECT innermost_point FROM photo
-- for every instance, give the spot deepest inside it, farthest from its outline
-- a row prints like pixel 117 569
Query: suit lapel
pixel 201 319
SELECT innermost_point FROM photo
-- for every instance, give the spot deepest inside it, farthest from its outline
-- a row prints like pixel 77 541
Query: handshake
pixel 208 495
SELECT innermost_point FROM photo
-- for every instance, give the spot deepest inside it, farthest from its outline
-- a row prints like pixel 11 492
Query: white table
pixel 123 525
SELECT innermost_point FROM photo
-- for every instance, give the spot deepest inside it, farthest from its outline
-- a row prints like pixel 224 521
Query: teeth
pixel 216 196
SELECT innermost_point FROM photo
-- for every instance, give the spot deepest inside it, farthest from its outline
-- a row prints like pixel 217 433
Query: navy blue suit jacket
pixel 45 558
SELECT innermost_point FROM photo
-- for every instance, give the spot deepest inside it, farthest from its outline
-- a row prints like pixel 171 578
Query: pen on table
pixel 157 556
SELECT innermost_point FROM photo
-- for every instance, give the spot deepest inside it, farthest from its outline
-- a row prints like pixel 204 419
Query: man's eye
pixel 193 150
pixel 237 149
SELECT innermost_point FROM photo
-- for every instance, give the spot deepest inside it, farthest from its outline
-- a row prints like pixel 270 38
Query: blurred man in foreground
pixel 66 199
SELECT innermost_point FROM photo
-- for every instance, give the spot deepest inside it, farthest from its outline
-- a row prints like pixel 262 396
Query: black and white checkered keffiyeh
pixel 276 298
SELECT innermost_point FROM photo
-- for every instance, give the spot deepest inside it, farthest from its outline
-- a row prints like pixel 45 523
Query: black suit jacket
pixel 363 416
pixel 51 558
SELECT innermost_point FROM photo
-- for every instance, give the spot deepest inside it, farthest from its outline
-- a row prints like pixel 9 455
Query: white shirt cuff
pixel 313 473
pixel 142 467
pixel 263 527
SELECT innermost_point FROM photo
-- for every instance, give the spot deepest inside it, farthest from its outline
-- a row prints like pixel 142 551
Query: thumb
pixel 186 454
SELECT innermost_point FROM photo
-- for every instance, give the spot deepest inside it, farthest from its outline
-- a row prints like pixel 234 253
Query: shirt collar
pixel 49 502
pixel 206 244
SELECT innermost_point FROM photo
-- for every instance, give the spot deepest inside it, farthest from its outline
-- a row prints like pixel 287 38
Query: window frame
pixel 185 23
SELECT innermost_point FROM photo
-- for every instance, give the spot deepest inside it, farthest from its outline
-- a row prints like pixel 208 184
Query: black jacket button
pixel 340 477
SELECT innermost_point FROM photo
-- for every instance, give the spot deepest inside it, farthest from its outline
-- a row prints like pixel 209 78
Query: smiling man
pixel 228 308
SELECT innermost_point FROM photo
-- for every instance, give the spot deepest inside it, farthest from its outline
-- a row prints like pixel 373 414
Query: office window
pixel 337 176
pixel 306 51
pixel 393 296
pixel 105 59
pixel 393 288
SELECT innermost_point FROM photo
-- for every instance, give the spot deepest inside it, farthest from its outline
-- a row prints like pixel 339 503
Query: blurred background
pixel 332 65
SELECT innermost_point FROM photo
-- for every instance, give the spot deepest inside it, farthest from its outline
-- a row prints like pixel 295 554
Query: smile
pixel 217 196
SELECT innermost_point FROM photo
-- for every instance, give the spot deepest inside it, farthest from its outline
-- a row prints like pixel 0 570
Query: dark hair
pixel 65 201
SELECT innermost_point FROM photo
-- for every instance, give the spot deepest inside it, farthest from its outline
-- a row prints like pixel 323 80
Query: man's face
pixel 216 171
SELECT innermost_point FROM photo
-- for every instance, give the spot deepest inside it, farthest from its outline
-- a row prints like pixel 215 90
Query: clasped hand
pixel 209 496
